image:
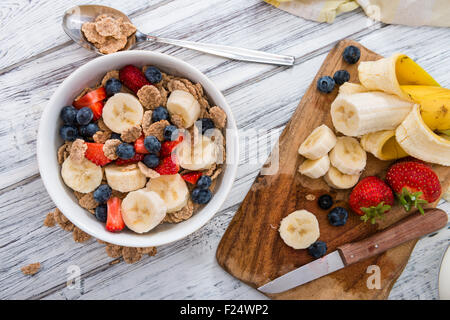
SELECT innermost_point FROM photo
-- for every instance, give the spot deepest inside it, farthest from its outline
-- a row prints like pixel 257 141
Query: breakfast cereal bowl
pixel 49 141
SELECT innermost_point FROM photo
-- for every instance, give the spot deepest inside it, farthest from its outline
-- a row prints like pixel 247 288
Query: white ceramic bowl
pixel 48 142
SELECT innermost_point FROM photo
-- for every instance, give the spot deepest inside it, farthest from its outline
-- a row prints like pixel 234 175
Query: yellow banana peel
pixel 434 104
pixel 409 72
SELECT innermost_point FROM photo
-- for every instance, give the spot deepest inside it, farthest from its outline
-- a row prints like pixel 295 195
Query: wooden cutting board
pixel 251 248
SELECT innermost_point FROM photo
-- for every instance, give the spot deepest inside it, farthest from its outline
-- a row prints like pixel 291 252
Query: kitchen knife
pixel 412 227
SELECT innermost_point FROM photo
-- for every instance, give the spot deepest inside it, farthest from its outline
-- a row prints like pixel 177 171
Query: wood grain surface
pixel 251 248
pixel 36 56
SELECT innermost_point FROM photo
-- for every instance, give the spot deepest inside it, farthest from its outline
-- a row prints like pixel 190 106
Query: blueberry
pixel 125 151
pixel 341 76
pixel 325 84
pixel 101 213
pixel 204 182
pixel 68 133
pixel 351 54
pixel 152 144
pixel 68 115
pixel 338 216
pixel 325 201
pixel 317 249
pixel 89 130
pixel 160 113
pixel 153 74
pixel 151 160
pixel 170 133
pixel 115 135
pixel 84 116
pixel 102 193
pixel 204 124
pixel 201 196
pixel 113 86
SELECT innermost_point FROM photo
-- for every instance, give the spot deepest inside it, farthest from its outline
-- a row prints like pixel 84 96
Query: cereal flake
pixel 109 148
pixel 87 201
pixel 218 116
pixel 131 134
pixel 148 172
pixel 157 129
pixel 80 236
pixel 31 269
pixel 181 215
pixel 150 97
pixel 63 222
pixel 77 151
pixel 101 136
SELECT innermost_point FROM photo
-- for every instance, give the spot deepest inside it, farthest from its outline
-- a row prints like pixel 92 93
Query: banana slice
pixel 349 88
pixel 201 156
pixel 83 177
pixel 419 141
pixel 172 189
pixel 388 74
pixel 122 111
pixel 338 180
pixel 321 140
pixel 143 210
pixel 382 144
pixel 315 168
pixel 125 178
pixel 185 105
pixel 360 113
pixel 348 156
pixel 300 229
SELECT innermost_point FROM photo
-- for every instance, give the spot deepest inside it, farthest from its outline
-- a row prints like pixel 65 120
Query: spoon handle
pixel 230 52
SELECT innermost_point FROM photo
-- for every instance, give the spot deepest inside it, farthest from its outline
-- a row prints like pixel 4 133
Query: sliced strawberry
pixel 97 109
pixel 192 177
pixel 139 145
pixel 133 78
pixel 114 220
pixel 90 98
pixel 137 157
pixel 168 165
pixel 168 146
pixel 95 154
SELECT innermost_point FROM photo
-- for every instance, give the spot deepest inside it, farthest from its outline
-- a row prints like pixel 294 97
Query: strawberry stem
pixel 375 212
pixel 409 200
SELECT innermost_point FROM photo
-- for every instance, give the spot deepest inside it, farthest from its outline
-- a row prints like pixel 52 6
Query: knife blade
pixel 412 227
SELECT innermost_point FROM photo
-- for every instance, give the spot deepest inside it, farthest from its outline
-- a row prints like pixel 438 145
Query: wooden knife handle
pixel 412 227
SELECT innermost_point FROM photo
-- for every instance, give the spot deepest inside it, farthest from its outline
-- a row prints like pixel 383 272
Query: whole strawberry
pixel 371 199
pixel 133 78
pixel 414 183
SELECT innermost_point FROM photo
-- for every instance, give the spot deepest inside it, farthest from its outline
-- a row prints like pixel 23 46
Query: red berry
pixel 90 98
pixel 168 146
pixel 192 177
pixel 136 158
pixel 114 220
pixel 95 154
pixel 168 165
pixel 133 78
pixel 371 198
pixel 97 109
pixel 139 145
pixel 415 183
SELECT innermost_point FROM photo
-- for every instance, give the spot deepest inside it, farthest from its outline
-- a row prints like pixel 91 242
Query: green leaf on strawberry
pixel 375 212
pixel 411 199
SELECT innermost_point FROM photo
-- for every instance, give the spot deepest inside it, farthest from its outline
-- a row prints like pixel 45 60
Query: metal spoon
pixel 76 16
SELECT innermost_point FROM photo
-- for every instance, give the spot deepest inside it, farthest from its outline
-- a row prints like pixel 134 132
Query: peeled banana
pixel 300 229
pixel 321 140
pixel 185 105
pixel 434 105
pixel 414 136
pixel 122 111
pixel 125 178
pixel 388 74
pixel 142 210
pixel 382 144
pixel 360 113
pixel 315 168
pixel 348 156
pixel 84 176
pixel 201 156
pixel 349 87
pixel 172 189
pixel 338 180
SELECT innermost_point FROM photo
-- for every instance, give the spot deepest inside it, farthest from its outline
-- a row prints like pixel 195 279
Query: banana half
pixel 172 189
pixel 122 111
pixel 414 136
pixel 383 145
pixel 300 229
pixel 83 177
pixel 388 74
pixel 142 210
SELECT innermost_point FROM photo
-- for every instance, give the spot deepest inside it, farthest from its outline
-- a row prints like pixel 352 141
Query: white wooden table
pixel 36 56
